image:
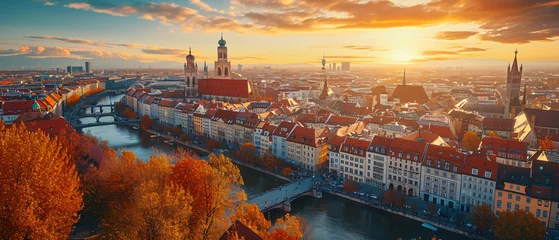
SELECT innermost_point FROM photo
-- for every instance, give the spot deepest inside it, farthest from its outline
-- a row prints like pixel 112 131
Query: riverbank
pixel 405 214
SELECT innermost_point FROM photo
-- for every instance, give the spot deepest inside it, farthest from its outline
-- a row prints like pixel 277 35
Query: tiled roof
pixel 425 136
pixel 444 158
pixel 380 144
pixel 505 148
pixel 168 103
pixel 284 128
pixel 335 143
pixel 443 131
pixel 407 148
pixel 481 162
pixel 355 146
pixel 499 124
pixel 49 123
pixel 341 121
pixel 309 136
pixel 242 232
pixel 224 87
pixel 20 106
pixel 409 93
pixel 543 118
pixel 226 116
pixel 312 118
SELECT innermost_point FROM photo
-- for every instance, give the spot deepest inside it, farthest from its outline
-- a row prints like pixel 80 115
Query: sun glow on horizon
pixel 401 56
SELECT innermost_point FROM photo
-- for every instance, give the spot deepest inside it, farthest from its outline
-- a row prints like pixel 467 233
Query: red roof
pixel 284 128
pixel 498 124
pixel 441 157
pixel 224 87
pixel 18 107
pixel 356 146
pixel 504 148
pixel 342 121
pixel 242 232
pixel 482 163
pixel 226 116
pixel 309 136
pixel 380 142
pixel 409 93
pixel 49 123
pixel 335 143
pixel 443 131
pixel 168 103
pixel 312 118
pixel 407 148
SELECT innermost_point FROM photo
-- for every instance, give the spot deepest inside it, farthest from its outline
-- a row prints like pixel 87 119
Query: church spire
pixel 404 80
pixel 189 51
pixel 523 105
pixel 515 63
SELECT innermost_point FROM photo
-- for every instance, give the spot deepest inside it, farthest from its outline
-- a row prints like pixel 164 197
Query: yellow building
pixel 516 191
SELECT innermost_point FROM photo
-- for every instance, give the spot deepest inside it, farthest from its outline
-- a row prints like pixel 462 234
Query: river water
pixel 330 217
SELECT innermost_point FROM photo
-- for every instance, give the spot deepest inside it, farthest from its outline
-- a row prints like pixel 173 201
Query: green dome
pixel 221 42
pixel 36 106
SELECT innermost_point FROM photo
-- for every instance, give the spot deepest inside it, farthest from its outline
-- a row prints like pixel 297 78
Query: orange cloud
pixel 454 35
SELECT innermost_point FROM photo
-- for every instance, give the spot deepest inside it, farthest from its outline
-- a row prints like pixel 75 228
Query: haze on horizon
pixel 156 33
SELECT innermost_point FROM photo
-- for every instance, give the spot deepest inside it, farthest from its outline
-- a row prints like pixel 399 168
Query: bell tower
pixel 222 65
pixel 191 77
pixel 514 78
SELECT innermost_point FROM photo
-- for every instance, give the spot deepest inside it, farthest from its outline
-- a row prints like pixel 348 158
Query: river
pixel 330 217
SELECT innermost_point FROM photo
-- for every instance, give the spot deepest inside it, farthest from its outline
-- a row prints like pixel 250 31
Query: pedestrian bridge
pixel 281 197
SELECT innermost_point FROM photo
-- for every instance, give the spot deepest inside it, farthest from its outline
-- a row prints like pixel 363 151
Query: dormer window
pixel 488 173
pixel 455 169
pixel 446 166
pixel 474 171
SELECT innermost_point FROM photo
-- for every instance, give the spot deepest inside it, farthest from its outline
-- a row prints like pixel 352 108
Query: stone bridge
pixel 282 196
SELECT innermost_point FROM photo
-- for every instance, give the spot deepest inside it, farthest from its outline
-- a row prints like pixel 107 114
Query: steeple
pixel 515 64
pixel 404 80
pixel 324 94
pixel 523 105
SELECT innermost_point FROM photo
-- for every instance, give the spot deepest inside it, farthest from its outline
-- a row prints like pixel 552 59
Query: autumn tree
pixel 39 191
pixel 252 217
pixel 211 144
pixel 270 161
pixel 146 122
pixel 154 208
pixel 471 141
pixel 546 144
pixel 176 131
pixel 492 134
pixel 518 225
pixel 289 227
pixel 119 107
pixel 211 186
pixel 395 198
pixel 247 153
pixel 130 114
pixel 432 210
pixel 184 137
pixel 287 171
pixel 350 186
pixel 482 217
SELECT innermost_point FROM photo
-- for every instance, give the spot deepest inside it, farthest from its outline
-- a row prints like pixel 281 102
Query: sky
pixel 158 33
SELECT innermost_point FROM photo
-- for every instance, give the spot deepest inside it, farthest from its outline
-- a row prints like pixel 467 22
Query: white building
pixel 377 161
pixel 404 164
pixel 478 181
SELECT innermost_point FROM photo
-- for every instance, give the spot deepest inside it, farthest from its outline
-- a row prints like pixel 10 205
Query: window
pixel 518 198
pixel 446 166
pixel 539 202
pixel 488 174
pixel 516 207
pixel 499 206
pixel 546 204
pixel 500 194
pixel 538 213
pixel 544 213
pixel 510 196
pixel 517 188
pixel 528 210
pixel 528 200
pixel 509 205
pixel 474 171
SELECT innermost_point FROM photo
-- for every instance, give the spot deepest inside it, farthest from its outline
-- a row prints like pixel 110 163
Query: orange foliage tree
pixel 211 186
pixel 130 114
pixel 493 135
pixel 270 161
pixel 518 225
pixel 287 171
pixel 153 208
pixel 247 153
pixel 146 122
pixel 176 131
pixel 119 107
pixel 546 144
pixel 471 141
pixel 40 194
pixel 350 186
pixel 211 144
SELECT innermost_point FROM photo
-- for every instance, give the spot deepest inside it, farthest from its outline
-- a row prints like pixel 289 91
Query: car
pixel 408 207
pixel 362 194
pixel 373 196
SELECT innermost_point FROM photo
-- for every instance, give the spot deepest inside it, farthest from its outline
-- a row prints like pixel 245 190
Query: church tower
pixel 514 77
pixel 191 77
pixel 222 65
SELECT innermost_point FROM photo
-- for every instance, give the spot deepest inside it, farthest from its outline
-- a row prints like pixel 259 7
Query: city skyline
pixel 159 34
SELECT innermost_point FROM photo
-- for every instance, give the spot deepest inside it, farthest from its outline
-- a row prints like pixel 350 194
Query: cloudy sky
pixel 124 33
